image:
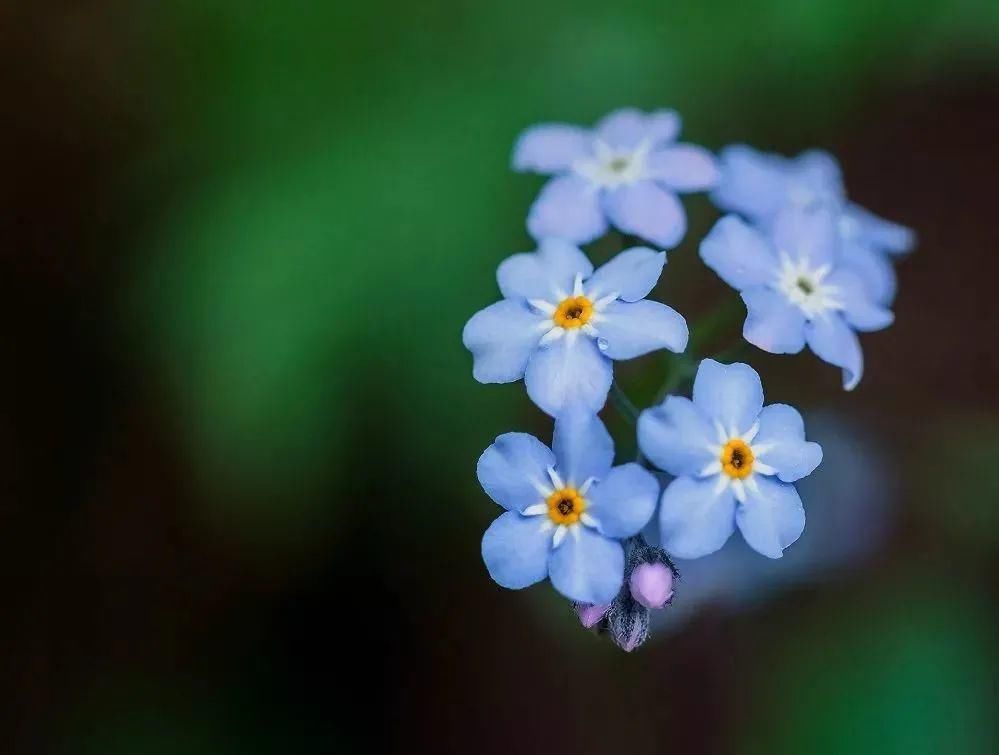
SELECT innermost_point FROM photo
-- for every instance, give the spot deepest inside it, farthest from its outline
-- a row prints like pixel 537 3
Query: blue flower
pixel 759 185
pixel 734 461
pixel 626 171
pixel 567 509
pixel 797 287
pixel 560 323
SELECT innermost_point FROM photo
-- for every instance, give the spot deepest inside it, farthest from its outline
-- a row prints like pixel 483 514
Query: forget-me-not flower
pixel 797 287
pixel 567 509
pixel 626 171
pixel 560 323
pixel 734 461
pixel 759 185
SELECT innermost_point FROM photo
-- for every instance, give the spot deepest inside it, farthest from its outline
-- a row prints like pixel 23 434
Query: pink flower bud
pixel 589 615
pixel 652 584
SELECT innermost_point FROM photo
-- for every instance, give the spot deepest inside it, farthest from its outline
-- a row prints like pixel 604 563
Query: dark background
pixel 238 242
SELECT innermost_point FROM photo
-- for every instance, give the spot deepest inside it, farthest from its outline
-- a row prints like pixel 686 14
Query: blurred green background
pixel 239 242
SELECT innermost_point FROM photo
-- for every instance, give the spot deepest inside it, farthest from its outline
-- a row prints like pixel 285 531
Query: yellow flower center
pixel 737 459
pixel 565 506
pixel 573 312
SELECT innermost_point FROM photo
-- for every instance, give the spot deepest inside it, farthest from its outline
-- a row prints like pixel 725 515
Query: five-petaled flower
pixel 759 185
pixel 560 323
pixel 567 509
pixel 734 461
pixel 797 287
pixel 627 170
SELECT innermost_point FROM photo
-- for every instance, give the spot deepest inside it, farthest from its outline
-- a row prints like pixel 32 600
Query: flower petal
pixel 752 183
pixel 731 394
pixel 501 338
pixel 628 127
pixel 570 372
pixel 676 436
pixel 807 234
pixel 859 308
pixel 568 207
pixel 834 342
pixel 546 274
pixel 515 550
pixel 781 443
pixel 739 254
pixel 587 567
pixel 514 470
pixel 683 167
pixel 583 447
pixel 624 500
pixel 648 211
pixel 772 517
pixel 631 275
pixel 870 230
pixel 696 517
pixel 874 268
pixel 772 322
pixel 630 329
pixel 551 147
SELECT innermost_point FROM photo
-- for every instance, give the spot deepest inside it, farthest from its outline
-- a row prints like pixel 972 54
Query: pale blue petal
pixel 568 207
pixel 772 517
pixel 739 254
pixel 647 211
pixel 834 342
pixel 815 180
pixel 623 501
pixel 628 127
pixel 515 550
pixel 731 394
pixel 514 470
pixel 781 443
pixel 695 517
pixel 587 567
pixel 501 338
pixel 548 273
pixel 551 147
pixel 752 183
pixel 571 372
pixel 631 275
pixel 772 322
pixel 870 230
pixel 683 167
pixel 677 437
pixel 630 329
pixel 861 311
pixel 807 234
pixel 583 447
pixel 874 267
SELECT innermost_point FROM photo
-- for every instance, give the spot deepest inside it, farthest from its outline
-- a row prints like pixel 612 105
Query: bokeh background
pixel 238 242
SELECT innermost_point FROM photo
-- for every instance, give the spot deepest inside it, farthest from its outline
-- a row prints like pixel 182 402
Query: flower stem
pixel 623 404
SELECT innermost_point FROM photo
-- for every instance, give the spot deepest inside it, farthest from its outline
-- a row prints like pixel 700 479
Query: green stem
pixel 623 404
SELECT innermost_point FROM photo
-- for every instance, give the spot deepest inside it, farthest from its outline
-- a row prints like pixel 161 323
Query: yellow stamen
pixel 565 506
pixel 573 312
pixel 737 459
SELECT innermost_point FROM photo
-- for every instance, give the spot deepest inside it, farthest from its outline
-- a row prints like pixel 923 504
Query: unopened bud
pixel 652 584
pixel 590 615
pixel 629 623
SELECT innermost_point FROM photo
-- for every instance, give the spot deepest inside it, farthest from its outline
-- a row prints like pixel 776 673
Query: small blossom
pixel 734 461
pixel 651 584
pixel 567 509
pixel 626 171
pixel 759 185
pixel 560 323
pixel 590 615
pixel 797 287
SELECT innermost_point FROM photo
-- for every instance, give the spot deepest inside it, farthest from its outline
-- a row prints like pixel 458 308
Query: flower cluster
pixel 811 267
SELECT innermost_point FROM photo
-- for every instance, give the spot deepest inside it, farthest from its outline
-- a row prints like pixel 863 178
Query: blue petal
pixel 548 273
pixel 514 469
pixel 772 517
pixel 571 372
pixel 807 234
pixel 629 127
pixel 647 211
pixel 551 147
pixel 695 517
pixel 834 342
pixel 631 275
pixel 772 322
pixel 815 180
pixel 624 501
pixel 587 567
pixel 515 550
pixel 628 330
pixel 583 447
pixel 871 230
pixel 501 338
pixel 859 308
pixel 752 183
pixel 683 167
pixel 874 268
pixel 730 394
pixel 781 443
pixel 739 254
pixel 677 437
pixel 568 207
